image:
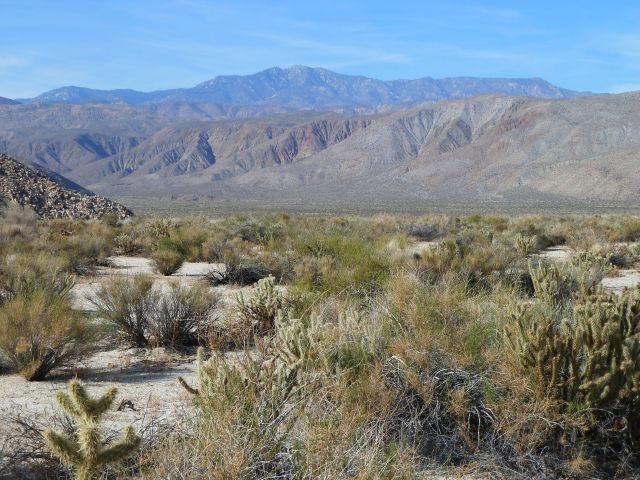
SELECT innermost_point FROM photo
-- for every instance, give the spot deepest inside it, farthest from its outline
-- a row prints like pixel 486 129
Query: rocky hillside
pixel 49 198
pixel 486 147
pixel 306 87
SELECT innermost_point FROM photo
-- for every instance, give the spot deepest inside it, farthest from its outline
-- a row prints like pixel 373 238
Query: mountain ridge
pixel 306 87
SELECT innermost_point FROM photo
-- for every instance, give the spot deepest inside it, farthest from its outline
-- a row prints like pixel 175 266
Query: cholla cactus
pixel 524 244
pixel 87 455
pixel 593 359
pixel 296 342
pixel 589 270
pixel 545 350
pixel 260 311
pixel 279 362
pixel 159 227
pixel 608 332
pixel 552 283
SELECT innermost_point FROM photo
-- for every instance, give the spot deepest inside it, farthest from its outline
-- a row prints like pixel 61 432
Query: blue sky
pixel 148 45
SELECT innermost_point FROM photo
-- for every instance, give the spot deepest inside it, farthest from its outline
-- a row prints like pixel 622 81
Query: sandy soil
pixel 558 253
pixel 148 391
pixel 147 378
pixel 623 279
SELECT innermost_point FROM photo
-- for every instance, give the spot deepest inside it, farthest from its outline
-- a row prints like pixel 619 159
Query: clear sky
pixel 148 45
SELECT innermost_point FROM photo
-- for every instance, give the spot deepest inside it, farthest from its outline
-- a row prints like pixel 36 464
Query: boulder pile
pixel 47 197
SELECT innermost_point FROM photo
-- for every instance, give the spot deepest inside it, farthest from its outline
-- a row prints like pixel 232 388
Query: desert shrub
pixel 475 263
pixel 40 332
pixel 239 270
pixel 251 407
pixel 181 316
pixel 427 232
pixel 257 232
pixel 627 231
pixel 23 275
pixel 544 234
pixel 167 261
pixel 443 410
pixel 17 225
pixel 128 305
pixel 142 315
pixel 341 263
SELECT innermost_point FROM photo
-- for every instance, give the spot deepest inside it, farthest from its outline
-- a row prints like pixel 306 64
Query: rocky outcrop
pixel 47 197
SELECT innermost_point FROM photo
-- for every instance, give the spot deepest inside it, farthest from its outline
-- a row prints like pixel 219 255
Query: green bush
pixel 167 262
pixel 40 332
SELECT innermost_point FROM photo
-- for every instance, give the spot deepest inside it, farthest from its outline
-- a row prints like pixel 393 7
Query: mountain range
pixel 306 87
pixel 303 134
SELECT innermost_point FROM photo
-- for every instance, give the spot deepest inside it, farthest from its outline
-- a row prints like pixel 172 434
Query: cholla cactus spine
pixel 87 455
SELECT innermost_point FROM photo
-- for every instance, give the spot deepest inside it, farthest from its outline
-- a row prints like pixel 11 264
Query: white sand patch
pixel 199 269
pixel 127 266
pixel 142 265
pixel 623 279
pixel 145 378
pixel 558 253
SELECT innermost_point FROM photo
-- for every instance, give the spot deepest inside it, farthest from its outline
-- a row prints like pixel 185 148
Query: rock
pixel 48 198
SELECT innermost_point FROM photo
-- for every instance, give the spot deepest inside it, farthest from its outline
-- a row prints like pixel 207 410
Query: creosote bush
pixel 167 262
pixel 39 330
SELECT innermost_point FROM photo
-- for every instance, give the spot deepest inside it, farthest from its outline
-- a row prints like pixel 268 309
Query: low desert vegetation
pixel 360 347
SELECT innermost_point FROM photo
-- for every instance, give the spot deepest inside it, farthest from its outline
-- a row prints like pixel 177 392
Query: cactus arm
pixel 187 387
pixel 127 444
pixel 101 405
pixel 68 405
pixel 66 450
